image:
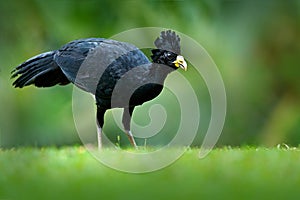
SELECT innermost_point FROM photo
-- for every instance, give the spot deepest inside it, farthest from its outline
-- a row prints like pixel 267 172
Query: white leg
pixel 100 122
pixel 99 137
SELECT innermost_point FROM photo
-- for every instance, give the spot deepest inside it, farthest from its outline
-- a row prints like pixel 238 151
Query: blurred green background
pixel 255 44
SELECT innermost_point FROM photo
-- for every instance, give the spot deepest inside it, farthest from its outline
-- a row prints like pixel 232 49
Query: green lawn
pixel 72 173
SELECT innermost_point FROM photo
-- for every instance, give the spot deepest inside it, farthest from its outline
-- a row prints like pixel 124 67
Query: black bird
pixel 117 73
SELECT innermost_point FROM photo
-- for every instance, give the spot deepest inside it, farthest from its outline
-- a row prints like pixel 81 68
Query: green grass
pixel 72 173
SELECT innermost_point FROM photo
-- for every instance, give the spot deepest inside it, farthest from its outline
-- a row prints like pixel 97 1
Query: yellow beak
pixel 180 62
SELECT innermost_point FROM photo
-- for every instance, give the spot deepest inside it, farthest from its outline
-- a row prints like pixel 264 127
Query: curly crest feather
pixel 168 40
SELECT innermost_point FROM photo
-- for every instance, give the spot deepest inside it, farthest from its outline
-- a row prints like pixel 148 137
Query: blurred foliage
pixel 255 44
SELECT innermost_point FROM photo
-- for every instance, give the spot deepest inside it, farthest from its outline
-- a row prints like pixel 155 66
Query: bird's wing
pixel 95 64
pixel 120 59
pixel 71 56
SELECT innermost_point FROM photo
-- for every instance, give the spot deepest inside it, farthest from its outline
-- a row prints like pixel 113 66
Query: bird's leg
pixel 126 123
pixel 100 122
pixel 131 139
pixel 99 136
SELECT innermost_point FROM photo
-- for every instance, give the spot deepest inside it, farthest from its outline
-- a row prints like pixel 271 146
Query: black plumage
pixel 117 73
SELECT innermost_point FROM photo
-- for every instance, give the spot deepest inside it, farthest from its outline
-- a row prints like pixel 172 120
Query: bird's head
pixel 168 50
pixel 168 58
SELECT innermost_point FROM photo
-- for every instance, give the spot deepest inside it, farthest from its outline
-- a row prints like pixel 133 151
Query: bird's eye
pixel 168 54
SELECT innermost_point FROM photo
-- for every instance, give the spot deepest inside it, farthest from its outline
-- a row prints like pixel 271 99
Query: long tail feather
pixel 41 70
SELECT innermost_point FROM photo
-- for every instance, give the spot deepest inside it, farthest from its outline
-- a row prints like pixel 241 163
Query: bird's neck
pixel 159 71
